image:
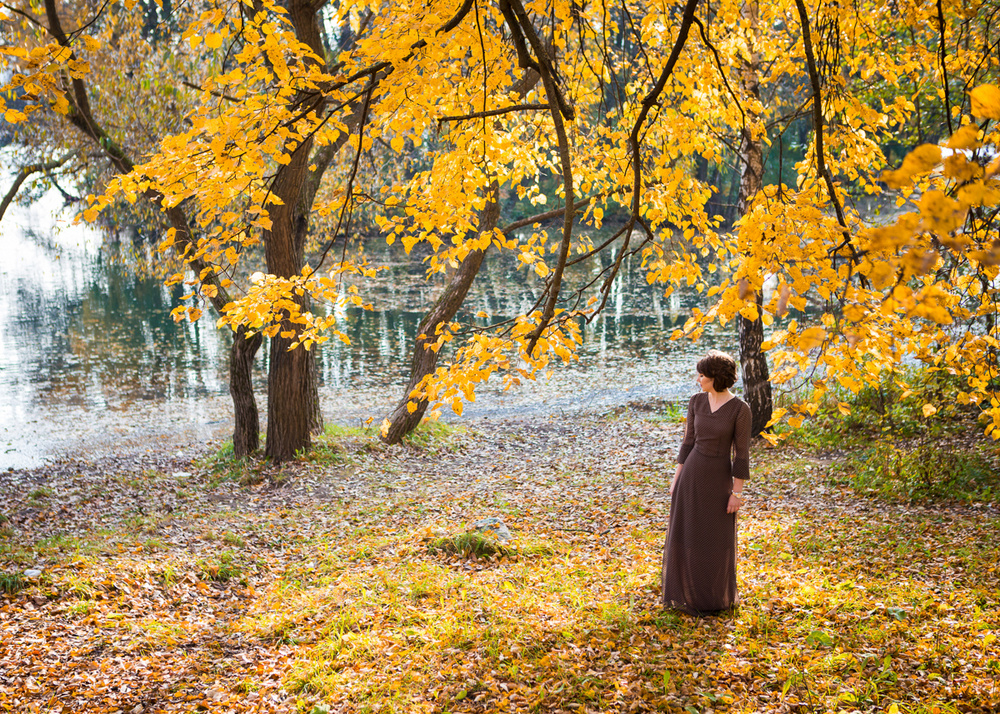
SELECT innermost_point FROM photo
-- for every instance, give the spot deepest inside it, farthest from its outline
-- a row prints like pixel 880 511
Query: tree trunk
pixel 424 362
pixel 246 432
pixel 292 389
pixel 291 380
pixel 402 421
pixel 289 411
pixel 756 378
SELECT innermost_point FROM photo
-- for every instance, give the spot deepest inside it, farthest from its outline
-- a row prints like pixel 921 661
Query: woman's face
pixel 707 384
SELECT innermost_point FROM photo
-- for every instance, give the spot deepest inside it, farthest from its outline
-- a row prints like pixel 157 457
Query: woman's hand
pixel 734 503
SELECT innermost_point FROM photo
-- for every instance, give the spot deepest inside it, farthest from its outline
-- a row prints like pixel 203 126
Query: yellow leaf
pixel 397 143
pixel 811 337
pixel 411 407
pixel 986 101
pixel 893 709
pixel 214 40
pixel 929 409
pixel 965 138
pixel 384 429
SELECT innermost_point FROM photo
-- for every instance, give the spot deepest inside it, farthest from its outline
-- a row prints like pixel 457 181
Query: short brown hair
pixel 720 368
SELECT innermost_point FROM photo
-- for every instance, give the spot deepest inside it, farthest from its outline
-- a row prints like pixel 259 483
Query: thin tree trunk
pixel 246 432
pixel 402 421
pixel 756 378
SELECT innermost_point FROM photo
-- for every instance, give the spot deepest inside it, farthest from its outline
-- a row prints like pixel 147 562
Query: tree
pixel 53 81
pixel 756 378
pixel 622 104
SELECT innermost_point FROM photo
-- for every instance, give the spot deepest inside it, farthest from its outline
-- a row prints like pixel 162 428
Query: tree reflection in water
pixel 89 354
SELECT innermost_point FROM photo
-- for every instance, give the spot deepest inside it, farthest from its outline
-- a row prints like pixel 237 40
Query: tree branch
pixel 493 112
pixel 821 166
pixel 649 101
pixel 23 175
pixel 944 69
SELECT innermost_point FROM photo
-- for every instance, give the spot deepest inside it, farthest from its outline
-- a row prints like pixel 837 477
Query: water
pixel 91 361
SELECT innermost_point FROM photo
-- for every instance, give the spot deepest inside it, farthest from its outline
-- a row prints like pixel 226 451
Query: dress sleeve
pixel 741 443
pixel 688 442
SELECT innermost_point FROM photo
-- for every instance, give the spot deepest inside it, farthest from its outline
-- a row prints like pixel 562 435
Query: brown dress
pixel 699 558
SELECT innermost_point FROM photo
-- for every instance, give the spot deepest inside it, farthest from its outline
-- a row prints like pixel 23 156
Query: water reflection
pixel 90 358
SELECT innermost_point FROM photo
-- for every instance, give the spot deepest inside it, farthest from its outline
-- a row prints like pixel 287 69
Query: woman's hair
pixel 720 368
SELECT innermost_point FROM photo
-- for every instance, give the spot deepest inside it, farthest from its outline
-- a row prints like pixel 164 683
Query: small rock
pixel 39 600
pixel 32 573
pixel 493 526
pixel 182 474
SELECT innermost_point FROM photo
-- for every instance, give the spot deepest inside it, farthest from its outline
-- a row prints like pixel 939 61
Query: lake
pixel 91 362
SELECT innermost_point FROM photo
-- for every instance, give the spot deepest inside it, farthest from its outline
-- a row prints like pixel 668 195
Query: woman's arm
pixel 741 458
pixel 686 445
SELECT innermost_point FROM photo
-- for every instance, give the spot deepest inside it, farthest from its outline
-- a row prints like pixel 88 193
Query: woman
pixel 699 558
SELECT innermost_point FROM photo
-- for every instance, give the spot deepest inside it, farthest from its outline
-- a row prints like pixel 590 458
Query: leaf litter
pixel 161 586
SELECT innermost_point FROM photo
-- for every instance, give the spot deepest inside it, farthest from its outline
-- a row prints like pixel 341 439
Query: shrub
pixel 926 472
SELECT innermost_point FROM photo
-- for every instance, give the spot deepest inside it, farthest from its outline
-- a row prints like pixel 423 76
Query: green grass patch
pixel 668 413
pixel 224 466
pixel 436 436
pixel 220 568
pixel 470 544
pixel 11 583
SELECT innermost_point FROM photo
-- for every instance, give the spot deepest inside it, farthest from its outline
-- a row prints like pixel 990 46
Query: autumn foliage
pixel 587 124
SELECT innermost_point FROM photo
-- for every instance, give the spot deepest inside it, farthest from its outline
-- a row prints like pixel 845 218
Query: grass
pixel 11 583
pixel 436 437
pixel 220 568
pixel 470 544
pixel 668 413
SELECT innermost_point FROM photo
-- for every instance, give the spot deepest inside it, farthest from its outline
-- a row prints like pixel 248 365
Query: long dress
pixel 699 557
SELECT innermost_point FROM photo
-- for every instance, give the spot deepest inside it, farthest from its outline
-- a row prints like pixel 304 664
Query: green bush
pixel 925 473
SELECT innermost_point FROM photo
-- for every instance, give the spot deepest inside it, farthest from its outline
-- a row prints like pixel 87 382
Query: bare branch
pixel 821 166
pixel 23 175
pixel 493 112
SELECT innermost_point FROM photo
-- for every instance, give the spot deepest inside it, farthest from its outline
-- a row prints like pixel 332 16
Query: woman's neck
pixel 716 396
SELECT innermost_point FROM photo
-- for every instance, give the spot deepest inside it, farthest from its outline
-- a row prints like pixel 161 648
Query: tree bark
pixel 293 410
pixel 756 377
pixel 291 382
pixel 246 432
pixel 402 421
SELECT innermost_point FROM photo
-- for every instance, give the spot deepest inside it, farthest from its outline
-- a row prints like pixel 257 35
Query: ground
pixel 346 583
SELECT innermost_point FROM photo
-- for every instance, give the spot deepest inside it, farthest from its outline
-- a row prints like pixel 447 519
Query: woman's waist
pixel 713 451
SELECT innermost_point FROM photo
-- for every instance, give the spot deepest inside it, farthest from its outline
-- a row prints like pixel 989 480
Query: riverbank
pixel 161 583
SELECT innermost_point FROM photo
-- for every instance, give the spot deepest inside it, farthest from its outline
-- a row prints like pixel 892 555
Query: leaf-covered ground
pixel 171 587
